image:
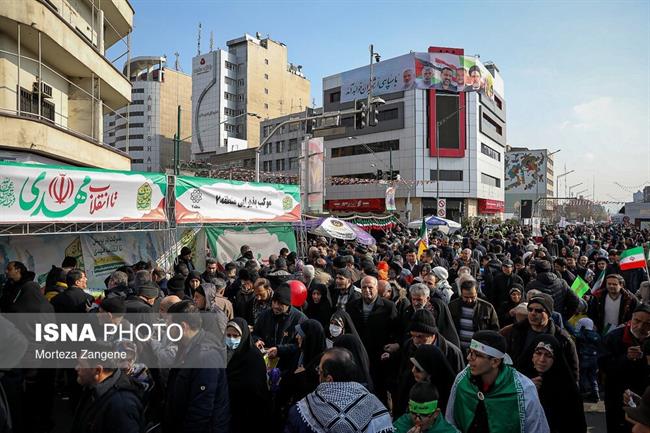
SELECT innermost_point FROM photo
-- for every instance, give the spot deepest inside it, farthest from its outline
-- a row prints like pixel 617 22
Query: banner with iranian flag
pixel 38 193
pixel 205 200
pixel 632 258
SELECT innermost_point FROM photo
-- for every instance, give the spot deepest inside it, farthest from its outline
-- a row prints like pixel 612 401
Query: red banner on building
pixel 356 205
pixel 490 206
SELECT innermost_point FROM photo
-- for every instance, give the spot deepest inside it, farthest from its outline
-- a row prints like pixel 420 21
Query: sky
pixel 576 73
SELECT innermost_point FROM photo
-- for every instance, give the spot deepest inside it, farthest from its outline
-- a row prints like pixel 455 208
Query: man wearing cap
pixel 275 329
pixel 624 364
pixel 146 296
pixel 185 258
pixel 344 291
pixel 546 281
pixel 489 395
pixel 540 309
pixel 280 274
pixel 498 291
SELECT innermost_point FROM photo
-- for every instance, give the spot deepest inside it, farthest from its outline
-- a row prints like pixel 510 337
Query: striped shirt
pixel 466 330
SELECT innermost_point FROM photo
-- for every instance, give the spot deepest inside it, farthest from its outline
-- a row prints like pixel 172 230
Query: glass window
pixel 447 175
pixel 487 150
pixel 490 180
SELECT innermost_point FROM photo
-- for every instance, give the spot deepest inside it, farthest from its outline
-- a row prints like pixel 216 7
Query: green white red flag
pixel 423 243
pixel 632 258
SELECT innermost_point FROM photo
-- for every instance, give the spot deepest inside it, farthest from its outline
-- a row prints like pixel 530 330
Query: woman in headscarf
pixel 340 324
pixel 353 343
pixel 247 381
pixel 192 281
pixel 318 306
pixel 428 364
pixel 311 342
pixel 557 389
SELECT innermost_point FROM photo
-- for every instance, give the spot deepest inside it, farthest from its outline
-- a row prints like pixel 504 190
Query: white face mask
pixel 335 330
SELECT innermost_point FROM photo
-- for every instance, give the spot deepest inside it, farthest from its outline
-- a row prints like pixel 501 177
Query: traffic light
pixel 380 175
pixel 361 117
pixel 373 115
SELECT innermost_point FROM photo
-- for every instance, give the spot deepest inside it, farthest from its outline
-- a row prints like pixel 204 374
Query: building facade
pixel 148 134
pixel 282 152
pixel 234 89
pixel 56 82
pixel 529 176
pixel 469 147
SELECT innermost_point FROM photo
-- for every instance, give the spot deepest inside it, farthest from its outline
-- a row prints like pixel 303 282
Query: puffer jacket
pixel 565 301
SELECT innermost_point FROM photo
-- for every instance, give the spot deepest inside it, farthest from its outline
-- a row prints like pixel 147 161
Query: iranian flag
pixel 423 243
pixel 632 259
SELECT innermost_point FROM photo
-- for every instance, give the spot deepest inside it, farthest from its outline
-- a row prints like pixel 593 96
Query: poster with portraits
pixel 438 71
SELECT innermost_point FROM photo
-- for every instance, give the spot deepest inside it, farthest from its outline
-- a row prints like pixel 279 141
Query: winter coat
pixel 378 330
pixel 72 300
pixel 444 320
pixel 597 308
pixel 197 398
pixel 499 290
pixel 10 291
pixel 114 405
pixel 588 345
pixel 517 345
pixel 280 331
pixel 565 301
pixel 485 316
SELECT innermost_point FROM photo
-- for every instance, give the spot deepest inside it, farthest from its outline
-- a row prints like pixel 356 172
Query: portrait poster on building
pixel 315 175
pixel 390 198
pixel 438 71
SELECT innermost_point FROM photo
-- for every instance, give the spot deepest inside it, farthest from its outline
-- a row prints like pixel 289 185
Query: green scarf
pixel 502 402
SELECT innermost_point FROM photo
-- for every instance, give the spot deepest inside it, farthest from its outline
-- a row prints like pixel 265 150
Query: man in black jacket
pixel 275 329
pixel 540 308
pixel 564 300
pixel 111 402
pixel 197 388
pixel 499 289
pixel 375 320
pixel 17 275
pixel 148 292
pixel 343 291
pixel 74 299
pixel 472 314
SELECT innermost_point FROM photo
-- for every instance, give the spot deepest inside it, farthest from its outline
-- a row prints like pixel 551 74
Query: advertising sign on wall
pixel 31 193
pixel 203 200
pixel 225 241
pixel 525 172
pixel 439 71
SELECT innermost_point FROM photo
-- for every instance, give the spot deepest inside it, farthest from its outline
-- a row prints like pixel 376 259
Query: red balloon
pixel 298 293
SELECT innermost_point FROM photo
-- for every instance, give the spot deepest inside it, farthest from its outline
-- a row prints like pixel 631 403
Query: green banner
pixel 225 241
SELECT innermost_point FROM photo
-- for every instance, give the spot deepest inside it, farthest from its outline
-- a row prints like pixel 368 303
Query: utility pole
pixel 177 144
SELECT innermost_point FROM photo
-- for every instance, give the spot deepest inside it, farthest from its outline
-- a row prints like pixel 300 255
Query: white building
pixel 471 152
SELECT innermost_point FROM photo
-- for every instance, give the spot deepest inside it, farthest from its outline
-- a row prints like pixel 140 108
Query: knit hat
pixel 423 321
pixel 516 288
pixel 282 294
pixel 440 273
pixel 507 262
pixel 176 284
pixel 542 266
pixel 544 300
pixel 114 305
pixel 586 323
pixel 149 289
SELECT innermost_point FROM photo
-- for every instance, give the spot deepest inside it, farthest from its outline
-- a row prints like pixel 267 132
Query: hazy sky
pixel 576 73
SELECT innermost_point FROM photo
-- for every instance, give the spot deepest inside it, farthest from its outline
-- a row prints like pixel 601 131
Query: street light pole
pixel 573 186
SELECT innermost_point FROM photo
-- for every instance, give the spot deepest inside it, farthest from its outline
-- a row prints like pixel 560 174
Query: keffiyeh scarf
pixel 344 407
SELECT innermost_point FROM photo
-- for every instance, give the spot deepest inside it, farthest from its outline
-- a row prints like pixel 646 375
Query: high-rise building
pixel 529 176
pixel 233 90
pixel 153 115
pixel 442 144
pixel 56 81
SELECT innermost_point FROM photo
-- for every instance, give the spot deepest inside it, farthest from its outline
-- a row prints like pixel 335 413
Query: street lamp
pixel 581 192
pixel 545 187
pixel 573 186
pixel 557 182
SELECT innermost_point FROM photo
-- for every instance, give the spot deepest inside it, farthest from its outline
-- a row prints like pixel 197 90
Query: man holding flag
pixel 633 268
pixel 612 306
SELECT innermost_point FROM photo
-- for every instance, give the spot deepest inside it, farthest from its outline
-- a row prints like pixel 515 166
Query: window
pixel 140 90
pixel 29 104
pixel 47 110
pixel 390 114
pixel 240 82
pixel 137 161
pixel 111 123
pixel 266 61
pixel 491 124
pixel 229 96
pixel 447 112
pixel 381 146
pixel 266 90
pixel 267 165
pixel 279 146
pixel 266 76
pixel 137 125
pixel 293 163
pixel 268 148
pixel 335 97
pixel 487 150
pixel 136 113
pixel 137 102
pixel 230 81
pixel 230 112
pixel 293 144
pixel 266 106
pixel 347 122
pixel 448 175
pixel 136 137
pixel 111 134
pixel 136 149
pixel 279 164
pixel 230 128
pixel 490 180
pixel 231 66
pixel 498 102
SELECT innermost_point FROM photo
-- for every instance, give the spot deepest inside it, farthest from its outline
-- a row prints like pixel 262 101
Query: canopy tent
pixel 338 229
pixel 442 224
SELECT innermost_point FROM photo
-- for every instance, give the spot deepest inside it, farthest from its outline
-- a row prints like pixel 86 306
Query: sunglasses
pixel 536 310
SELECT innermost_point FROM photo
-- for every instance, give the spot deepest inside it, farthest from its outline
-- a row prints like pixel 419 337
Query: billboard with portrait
pixel 438 71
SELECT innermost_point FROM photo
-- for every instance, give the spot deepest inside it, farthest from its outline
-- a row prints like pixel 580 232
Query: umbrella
pixel 434 221
pixel 339 229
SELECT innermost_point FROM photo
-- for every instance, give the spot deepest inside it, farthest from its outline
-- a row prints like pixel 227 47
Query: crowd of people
pixel 475 332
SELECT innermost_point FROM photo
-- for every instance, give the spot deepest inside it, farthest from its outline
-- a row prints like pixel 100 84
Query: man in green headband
pixel 490 396
pixel 423 413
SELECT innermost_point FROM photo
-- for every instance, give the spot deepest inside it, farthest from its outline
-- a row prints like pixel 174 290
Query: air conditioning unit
pixel 46 89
